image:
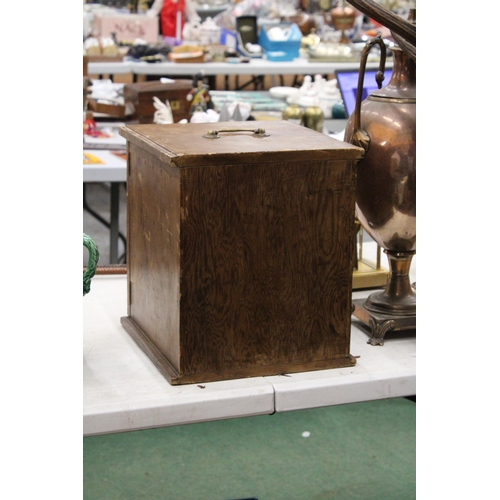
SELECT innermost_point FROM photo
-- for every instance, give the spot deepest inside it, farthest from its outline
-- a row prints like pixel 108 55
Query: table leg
pixel 114 222
pixel 212 82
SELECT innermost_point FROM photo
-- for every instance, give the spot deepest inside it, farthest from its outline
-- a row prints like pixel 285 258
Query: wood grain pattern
pixel 267 256
pixel 240 268
pixel 153 253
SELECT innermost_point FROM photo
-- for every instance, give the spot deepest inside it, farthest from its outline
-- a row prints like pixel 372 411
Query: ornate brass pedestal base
pixel 393 309
pixel 380 323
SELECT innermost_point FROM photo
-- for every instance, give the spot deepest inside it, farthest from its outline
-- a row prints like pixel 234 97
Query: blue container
pixel 282 50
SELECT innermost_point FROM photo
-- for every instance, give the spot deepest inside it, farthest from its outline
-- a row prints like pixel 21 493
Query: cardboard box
pixel 240 248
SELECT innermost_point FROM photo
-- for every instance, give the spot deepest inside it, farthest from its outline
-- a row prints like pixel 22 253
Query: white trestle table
pixel 124 391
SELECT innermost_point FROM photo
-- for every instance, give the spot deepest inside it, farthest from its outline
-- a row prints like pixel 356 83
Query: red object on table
pixel 168 16
pixel 89 124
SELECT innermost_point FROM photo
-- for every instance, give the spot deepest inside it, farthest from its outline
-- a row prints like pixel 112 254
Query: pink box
pixel 127 27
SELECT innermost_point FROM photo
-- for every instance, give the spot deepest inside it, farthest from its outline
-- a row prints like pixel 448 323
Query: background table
pixel 254 67
pixel 298 66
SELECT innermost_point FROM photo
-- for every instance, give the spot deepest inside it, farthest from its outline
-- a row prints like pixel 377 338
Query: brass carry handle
pixel 214 134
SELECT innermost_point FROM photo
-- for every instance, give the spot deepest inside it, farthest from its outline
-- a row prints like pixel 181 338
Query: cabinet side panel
pixel 267 264
pixel 153 250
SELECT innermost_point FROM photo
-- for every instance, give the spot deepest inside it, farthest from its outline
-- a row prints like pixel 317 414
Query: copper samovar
pixel 385 126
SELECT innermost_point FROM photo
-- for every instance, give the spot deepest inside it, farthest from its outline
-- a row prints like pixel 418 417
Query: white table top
pixel 114 168
pixel 109 68
pixel 124 391
pixel 298 66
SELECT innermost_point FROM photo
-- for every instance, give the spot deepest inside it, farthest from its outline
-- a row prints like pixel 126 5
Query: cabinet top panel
pixel 193 144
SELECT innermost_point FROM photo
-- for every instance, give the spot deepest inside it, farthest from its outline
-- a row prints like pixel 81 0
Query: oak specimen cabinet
pixel 240 246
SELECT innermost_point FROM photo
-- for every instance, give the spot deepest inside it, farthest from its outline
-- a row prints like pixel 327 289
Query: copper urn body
pixel 385 126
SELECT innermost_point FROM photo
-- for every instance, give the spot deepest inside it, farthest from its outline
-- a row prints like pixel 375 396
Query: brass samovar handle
pixel 360 137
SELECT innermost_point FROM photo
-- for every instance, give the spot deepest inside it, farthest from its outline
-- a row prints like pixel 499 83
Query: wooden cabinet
pixel 239 248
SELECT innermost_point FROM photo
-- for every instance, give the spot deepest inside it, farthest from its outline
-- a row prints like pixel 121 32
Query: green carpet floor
pixel 362 451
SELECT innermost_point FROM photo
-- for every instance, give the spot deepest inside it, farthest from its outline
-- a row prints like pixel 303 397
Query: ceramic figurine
pixel 199 95
pixel 224 115
pixel 163 114
pixel 306 85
